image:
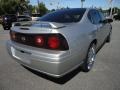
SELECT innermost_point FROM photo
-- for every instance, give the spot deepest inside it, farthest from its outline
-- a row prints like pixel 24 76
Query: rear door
pixel 107 26
pixel 100 26
pixel 94 17
pixel 100 33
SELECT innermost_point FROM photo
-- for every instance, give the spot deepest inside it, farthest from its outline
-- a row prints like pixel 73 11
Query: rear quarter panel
pixel 77 38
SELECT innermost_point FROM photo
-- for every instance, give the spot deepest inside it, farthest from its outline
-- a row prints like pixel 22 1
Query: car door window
pixel 102 16
pixel 98 18
pixel 94 16
pixel 90 16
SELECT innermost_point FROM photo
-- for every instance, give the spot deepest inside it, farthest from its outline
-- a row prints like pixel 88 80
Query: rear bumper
pixel 55 64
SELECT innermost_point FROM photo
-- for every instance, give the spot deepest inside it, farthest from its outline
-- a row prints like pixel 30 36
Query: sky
pixel 52 4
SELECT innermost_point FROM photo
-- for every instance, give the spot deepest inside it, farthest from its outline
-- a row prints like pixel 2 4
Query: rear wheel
pixel 109 37
pixel 90 58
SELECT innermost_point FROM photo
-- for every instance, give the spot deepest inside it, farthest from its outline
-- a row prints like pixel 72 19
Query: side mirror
pixel 109 20
pixel 106 21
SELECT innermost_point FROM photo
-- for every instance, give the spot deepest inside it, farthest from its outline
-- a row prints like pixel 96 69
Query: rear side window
pixel 94 16
pixel 64 16
pixel 102 15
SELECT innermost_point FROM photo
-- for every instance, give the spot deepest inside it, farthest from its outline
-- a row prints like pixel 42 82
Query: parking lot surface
pixel 105 75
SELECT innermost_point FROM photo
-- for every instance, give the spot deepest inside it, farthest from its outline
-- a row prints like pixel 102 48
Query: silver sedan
pixel 60 41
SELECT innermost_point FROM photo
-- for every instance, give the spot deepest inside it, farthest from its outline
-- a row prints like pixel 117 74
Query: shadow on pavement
pixel 61 80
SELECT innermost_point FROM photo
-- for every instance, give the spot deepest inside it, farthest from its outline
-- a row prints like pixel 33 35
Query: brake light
pixel 13 36
pixel 53 42
pixel 39 40
pixel 46 41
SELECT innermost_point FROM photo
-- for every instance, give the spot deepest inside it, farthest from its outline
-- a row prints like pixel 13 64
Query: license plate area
pixel 21 55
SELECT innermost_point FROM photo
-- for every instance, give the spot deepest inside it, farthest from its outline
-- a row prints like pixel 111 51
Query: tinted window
pixel 64 16
pixel 10 18
pixel 102 15
pixel 36 15
pixel 22 17
pixel 94 16
pixel 90 16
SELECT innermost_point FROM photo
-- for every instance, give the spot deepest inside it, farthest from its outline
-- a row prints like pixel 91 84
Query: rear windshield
pixel 10 16
pixel 36 15
pixel 22 16
pixel 64 16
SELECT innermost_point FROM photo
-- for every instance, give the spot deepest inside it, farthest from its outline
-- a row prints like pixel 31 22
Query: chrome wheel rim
pixel 91 57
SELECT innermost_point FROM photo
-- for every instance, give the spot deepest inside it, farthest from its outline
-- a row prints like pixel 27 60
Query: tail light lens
pixel 39 40
pixel 13 36
pixel 47 41
pixel 53 42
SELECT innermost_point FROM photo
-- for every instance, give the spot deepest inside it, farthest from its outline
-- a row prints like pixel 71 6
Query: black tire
pixel 109 37
pixel 86 67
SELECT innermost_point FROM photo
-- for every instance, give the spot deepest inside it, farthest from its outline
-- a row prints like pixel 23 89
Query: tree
pixel 82 3
pixel 22 6
pixel 7 6
pixel 13 6
pixel 42 8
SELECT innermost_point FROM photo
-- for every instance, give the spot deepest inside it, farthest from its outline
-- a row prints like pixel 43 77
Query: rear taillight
pixel 39 40
pixel 54 42
pixel 12 35
pixel 47 41
pixel 51 41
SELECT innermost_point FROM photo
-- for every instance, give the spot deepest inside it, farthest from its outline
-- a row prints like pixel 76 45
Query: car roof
pixel 70 9
pixel 74 10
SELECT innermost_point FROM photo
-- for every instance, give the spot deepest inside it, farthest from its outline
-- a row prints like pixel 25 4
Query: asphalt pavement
pixel 105 75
